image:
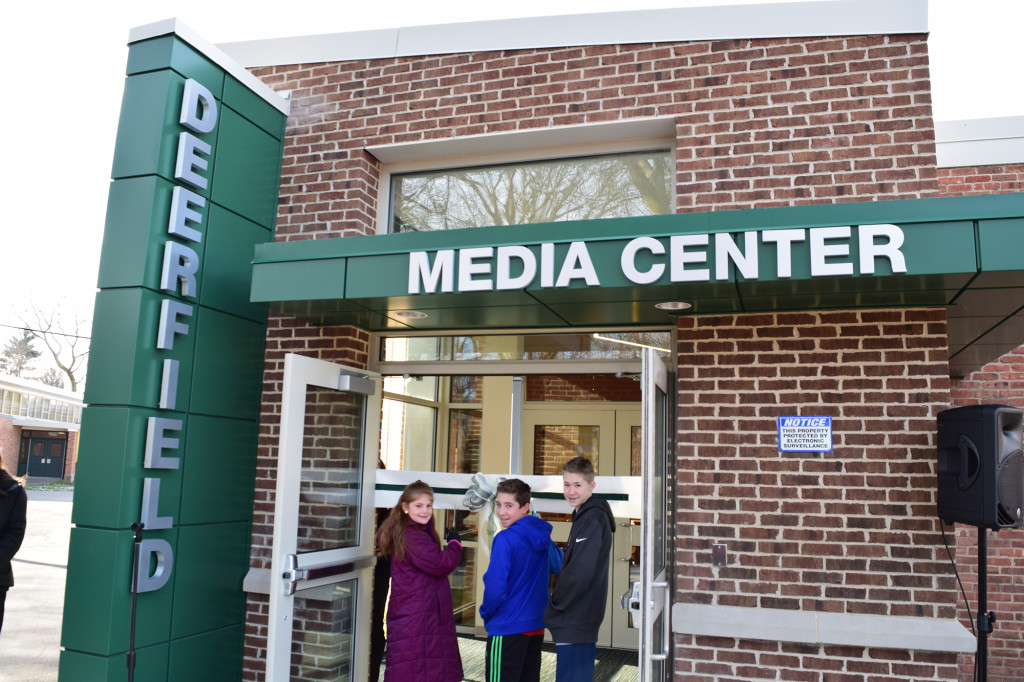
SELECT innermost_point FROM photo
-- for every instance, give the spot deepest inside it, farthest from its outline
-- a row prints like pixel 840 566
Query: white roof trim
pixel 174 26
pixel 655 129
pixel 770 20
pixel 45 425
pixel 979 142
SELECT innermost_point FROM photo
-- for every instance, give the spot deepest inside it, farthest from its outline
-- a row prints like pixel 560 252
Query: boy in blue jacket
pixel 516 587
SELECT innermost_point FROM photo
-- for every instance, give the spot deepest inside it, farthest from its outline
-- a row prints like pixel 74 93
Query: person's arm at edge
pixel 13 534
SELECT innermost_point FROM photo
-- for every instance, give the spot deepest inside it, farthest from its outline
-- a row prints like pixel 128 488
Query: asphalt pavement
pixel 30 640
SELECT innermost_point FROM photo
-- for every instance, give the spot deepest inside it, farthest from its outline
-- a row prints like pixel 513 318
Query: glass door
pixel 322 555
pixel 654 607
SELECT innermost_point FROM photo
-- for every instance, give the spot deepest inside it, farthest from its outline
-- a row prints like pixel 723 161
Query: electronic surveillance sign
pixel 805 434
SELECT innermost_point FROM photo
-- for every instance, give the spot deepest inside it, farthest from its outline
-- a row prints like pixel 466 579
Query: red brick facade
pixel 958 182
pixel 999 382
pixel 759 123
pixel 852 531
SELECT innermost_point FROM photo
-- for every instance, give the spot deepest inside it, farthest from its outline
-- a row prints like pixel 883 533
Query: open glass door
pixel 322 557
pixel 655 592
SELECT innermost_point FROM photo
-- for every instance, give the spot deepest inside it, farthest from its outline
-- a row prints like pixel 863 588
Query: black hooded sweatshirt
pixel 576 608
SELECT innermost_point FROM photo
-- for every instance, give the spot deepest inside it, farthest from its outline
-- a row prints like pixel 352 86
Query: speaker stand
pixel 985 618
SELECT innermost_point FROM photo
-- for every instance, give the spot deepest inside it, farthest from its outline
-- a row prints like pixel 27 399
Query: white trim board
pixel 807 627
pixel 770 20
pixel 979 142
pixel 526 142
pixel 174 26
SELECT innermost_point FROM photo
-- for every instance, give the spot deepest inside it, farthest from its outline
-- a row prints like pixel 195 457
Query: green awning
pixel 963 253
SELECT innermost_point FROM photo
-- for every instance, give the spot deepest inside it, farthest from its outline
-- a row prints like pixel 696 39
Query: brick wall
pixel 853 531
pixel 999 382
pixel 760 123
pixel 582 388
pixel 956 182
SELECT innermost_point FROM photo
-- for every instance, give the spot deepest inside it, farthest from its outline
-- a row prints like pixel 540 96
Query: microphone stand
pixel 985 618
pixel 137 540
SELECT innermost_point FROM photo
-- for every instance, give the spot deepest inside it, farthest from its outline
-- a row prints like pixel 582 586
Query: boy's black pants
pixel 513 658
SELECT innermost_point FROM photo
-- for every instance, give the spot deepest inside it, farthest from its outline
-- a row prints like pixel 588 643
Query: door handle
pixel 632 601
pixel 666 643
pixel 292 573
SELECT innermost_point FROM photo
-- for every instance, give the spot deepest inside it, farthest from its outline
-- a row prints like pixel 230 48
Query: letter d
pixel 161 549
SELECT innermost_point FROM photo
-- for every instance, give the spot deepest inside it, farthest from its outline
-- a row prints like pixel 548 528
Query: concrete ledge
pixel 804 627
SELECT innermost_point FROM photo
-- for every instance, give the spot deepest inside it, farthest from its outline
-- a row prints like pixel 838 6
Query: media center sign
pixel 805 434
pixel 833 252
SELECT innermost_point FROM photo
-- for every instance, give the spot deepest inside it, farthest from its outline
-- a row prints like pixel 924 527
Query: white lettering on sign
pixel 646 260
pixel 177 276
pixel 805 434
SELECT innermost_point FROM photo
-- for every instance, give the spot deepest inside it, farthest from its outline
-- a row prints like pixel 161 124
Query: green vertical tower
pixel 170 428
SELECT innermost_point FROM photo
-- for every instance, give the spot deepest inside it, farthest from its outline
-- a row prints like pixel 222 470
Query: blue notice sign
pixel 805 434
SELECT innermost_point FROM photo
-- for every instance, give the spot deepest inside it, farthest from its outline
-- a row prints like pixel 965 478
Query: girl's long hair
pixel 391 534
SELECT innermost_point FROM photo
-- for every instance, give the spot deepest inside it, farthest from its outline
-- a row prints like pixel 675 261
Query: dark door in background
pixel 45 453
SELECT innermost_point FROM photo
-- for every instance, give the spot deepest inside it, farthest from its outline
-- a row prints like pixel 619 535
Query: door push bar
pixel 293 574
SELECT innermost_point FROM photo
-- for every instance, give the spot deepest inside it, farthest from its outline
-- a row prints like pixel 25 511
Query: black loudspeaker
pixel 981 466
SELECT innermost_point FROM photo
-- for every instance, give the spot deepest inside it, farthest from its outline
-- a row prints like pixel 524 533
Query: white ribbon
pixel 480 498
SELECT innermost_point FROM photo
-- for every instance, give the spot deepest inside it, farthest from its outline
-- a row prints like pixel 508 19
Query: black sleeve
pixel 14 532
pixel 582 558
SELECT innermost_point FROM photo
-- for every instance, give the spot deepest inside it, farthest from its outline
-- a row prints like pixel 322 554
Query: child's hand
pixel 452 535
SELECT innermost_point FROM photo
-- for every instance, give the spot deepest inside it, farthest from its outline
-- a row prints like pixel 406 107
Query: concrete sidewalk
pixel 30 641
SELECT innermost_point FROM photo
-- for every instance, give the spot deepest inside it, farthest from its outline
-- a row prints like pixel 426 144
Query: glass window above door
pixel 585 188
pixel 622 345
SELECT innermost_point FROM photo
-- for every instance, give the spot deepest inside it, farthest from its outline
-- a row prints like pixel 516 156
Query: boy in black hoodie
pixel 576 608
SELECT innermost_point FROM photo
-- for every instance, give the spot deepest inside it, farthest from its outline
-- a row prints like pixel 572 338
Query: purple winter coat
pixel 422 644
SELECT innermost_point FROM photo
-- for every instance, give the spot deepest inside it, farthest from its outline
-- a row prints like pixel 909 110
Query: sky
pixel 65 63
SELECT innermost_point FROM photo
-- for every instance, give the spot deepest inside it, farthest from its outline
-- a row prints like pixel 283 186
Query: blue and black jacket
pixel 516 582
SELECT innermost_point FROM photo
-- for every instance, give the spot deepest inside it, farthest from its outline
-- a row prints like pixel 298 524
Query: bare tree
pixel 62 337
pixel 544 192
pixel 52 377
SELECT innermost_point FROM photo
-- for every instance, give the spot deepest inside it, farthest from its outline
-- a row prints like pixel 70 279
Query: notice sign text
pixel 805 434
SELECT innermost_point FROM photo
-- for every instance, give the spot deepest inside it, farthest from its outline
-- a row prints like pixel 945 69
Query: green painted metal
pixel 241 145
pixel 151 664
pixel 207 594
pixel 191 627
pixel 227 370
pixel 209 657
pixel 97 602
pixel 961 253
pixel 218 473
pixel 227 264
pixel 126 320
pixel 108 481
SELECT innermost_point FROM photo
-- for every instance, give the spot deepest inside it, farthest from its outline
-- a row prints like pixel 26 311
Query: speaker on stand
pixel 981 483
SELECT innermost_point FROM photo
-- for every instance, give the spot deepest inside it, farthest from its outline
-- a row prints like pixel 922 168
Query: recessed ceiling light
pixel 672 305
pixel 410 314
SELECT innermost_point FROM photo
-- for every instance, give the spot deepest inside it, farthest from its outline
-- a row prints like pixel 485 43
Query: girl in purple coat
pixel 421 640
